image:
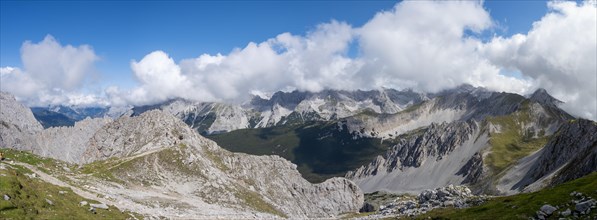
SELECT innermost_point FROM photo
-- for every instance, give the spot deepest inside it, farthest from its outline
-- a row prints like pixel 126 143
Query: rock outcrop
pixel 17 123
pixel 570 154
pixel 67 143
pixel 408 206
pixel 433 157
pixel 21 131
pixel 574 148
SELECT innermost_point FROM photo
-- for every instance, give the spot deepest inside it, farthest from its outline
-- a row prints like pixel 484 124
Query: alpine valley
pixel 463 153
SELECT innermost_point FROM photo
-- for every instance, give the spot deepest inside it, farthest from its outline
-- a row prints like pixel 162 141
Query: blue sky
pixel 122 31
pixel 133 52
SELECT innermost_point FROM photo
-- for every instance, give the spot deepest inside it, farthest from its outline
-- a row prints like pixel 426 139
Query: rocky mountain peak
pixel 15 113
pixel 541 96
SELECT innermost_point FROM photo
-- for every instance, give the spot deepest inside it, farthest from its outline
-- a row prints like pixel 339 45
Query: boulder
pixel 548 209
pixel 585 205
pixel 99 206
pixel 566 213
pixel 369 207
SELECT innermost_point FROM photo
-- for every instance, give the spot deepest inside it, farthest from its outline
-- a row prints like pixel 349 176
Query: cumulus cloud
pixel 312 62
pixel 559 53
pixel 52 73
pixel 55 65
pixel 422 45
pixel 418 45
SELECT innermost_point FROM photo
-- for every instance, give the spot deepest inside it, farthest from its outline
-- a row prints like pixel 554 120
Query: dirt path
pixel 50 179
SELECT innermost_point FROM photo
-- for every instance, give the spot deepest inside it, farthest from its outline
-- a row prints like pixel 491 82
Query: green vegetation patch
pixel 320 149
pixel 28 199
pixel 512 142
pixel 102 169
pixel 524 206
pixel 29 158
pixel 47 165
pixel 255 201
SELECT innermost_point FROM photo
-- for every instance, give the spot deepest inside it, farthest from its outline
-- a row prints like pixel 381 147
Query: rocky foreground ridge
pixel 155 165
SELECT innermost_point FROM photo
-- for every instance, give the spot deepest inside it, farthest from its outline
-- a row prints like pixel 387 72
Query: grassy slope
pixel 512 143
pixel 28 195
pixel 523 206
pixel 115 169
pixel 320 150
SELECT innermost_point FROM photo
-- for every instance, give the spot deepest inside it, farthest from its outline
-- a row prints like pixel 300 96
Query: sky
pixel 134 53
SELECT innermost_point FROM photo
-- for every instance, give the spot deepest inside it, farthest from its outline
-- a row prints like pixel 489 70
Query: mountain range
pixel 304 154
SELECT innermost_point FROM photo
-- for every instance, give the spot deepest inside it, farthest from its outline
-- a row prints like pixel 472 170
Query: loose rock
pixel 566 213
pixel 368 207
pixel 548 209
pixel 99 206
pixel 585 205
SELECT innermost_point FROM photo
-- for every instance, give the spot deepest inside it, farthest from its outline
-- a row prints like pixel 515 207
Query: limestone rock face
pixel 17 123
pixel 293 194
pixel 570 154
pixel 21 131
pixel 67 143
pixel 129 135
pixel 575 145
pixel 434 157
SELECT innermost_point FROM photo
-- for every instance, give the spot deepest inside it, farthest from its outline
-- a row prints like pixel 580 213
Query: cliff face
pixel 573 148
pixel 67 143
pixel 17 123
pixel 430 158
pixel 570 154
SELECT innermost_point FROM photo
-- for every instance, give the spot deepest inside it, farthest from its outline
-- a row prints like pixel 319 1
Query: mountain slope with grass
pixel 504 136
pixel 27 196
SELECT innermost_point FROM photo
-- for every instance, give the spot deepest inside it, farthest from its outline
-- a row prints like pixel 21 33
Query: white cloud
pixel 422 45
pixel 313 62
pixel 559 53
pixel 416 44
pixel 52 73
pixel 57 66
pixel 15 81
